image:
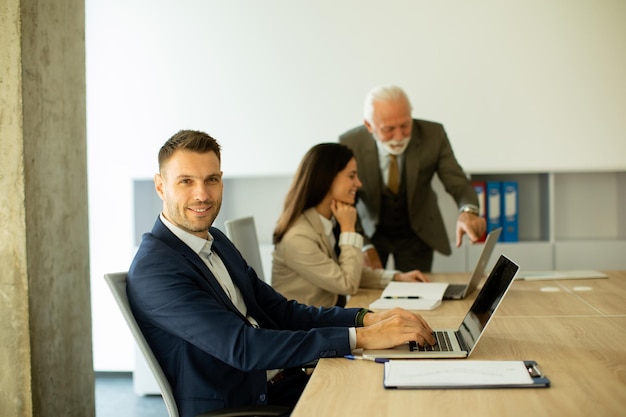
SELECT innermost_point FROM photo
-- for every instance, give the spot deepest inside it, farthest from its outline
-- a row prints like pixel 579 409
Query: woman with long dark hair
pixel 317 257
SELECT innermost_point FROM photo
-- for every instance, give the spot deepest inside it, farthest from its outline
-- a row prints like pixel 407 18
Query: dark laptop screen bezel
pixel 487 302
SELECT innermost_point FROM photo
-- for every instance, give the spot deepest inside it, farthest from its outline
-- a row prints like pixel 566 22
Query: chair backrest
pixel 117 284
pixel 242 232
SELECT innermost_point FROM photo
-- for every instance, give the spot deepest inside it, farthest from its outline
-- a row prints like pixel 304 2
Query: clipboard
pixel 462 374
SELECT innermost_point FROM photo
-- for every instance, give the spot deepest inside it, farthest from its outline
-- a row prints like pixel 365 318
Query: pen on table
pixel 366 358
pixel 402 297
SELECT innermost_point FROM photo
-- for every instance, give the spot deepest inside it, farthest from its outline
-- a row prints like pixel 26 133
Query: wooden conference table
pixel 562 324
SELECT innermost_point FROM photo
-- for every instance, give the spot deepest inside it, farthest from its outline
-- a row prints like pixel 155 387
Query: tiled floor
pixel 115 398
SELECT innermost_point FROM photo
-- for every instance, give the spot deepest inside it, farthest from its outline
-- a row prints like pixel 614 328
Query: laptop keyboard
pixel 454 290
pixel 443 343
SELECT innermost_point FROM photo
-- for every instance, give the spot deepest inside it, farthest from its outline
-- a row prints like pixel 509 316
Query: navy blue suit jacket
pixel 211 355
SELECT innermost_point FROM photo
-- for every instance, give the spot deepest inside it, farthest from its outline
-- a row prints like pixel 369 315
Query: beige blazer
pixel 306 269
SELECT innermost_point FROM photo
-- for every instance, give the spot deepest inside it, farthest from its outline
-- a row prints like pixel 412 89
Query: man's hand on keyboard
pixel 390 328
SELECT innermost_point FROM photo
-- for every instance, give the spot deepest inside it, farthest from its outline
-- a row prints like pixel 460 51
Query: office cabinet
pixel 567 220
pixel 576 218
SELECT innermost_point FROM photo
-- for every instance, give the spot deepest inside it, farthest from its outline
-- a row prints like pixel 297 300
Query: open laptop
pixel 461 342
pixel 460 291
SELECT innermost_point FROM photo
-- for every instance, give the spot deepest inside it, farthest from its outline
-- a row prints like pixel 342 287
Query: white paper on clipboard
pixel 459 374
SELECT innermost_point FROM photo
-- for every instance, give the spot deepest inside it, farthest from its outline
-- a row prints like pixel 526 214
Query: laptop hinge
pixel 462 343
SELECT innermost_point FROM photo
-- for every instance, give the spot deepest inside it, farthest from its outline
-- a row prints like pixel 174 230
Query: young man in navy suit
pixel 224 337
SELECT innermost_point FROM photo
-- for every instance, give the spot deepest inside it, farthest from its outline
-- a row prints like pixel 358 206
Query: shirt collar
pixel 327 224
pixel 194 242
pixel 382 152
pixel 383 156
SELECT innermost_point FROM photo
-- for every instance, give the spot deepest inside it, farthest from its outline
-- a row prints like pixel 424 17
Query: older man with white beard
pixel 397 158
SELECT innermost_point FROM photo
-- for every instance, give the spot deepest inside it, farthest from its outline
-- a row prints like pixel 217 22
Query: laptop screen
pixel 487 301
pixel 485 255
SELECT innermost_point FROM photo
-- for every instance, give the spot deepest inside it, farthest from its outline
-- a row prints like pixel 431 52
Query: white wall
pixel 520 86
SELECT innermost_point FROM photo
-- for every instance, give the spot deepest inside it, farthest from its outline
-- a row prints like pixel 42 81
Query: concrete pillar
pixel 45 311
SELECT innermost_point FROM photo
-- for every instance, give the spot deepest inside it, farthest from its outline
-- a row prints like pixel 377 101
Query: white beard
pixel 396 147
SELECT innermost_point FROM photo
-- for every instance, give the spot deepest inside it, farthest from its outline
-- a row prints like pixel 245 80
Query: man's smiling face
pixel 190 185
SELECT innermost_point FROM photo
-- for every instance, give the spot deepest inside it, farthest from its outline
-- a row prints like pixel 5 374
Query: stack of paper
pixel 410 296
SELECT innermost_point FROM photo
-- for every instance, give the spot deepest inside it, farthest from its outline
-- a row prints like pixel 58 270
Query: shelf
pixel 534 203
pixel 567 220
pixel 592 254
pixel 587 206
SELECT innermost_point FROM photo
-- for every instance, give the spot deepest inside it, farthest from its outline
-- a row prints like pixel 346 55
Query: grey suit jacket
pixel 306 269
pixel 428 153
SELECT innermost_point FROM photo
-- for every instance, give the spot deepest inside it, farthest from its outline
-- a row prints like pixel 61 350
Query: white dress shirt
pixel 383 160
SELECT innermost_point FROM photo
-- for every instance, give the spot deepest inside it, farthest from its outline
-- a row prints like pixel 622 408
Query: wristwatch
pixel 469 208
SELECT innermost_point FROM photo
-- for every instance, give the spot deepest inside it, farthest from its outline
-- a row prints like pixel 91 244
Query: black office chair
pixel 117 284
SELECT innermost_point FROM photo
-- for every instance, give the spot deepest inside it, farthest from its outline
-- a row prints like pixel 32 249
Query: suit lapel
pixel 209 282
pixel 225 249
pixel 411 162
pixel 312 216
pixel 239 276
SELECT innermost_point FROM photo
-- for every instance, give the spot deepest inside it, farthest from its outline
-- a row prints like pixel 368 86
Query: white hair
pixel 382 93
